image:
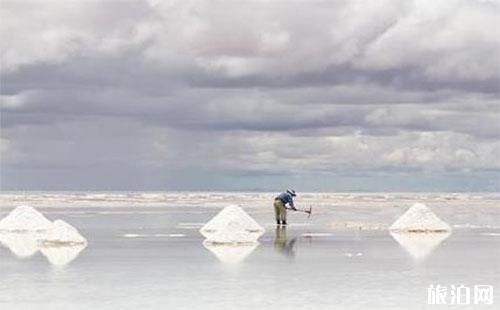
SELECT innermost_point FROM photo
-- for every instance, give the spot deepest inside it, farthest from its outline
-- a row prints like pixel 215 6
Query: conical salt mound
pixel 24 219
pixel 419 218
pixel 232 225
pixel 62 234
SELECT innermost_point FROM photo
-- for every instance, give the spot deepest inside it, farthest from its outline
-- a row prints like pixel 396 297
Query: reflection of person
pixel 280 205
pixel 281 244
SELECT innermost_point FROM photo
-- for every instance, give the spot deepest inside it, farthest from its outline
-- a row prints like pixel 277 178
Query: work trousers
pixel 279 210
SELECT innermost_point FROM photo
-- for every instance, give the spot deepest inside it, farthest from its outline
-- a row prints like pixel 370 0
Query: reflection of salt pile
pixel 24 219
pixel 231 253
pixel 419 218
pixel 20 244
pixel 419 246
pixel 232 226
pixel 61 255
pixel 25 231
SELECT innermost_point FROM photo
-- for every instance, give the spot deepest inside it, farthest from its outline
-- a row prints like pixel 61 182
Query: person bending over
pixel 280 203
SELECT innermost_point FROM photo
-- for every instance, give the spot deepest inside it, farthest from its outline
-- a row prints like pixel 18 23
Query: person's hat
pixel 291 192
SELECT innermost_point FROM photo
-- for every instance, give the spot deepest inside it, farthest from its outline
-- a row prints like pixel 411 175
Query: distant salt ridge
pixel 232 225
pixel 419 218
pixel 247 200
pixel 25 219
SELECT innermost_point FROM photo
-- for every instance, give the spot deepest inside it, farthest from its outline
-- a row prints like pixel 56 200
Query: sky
pixel 250 95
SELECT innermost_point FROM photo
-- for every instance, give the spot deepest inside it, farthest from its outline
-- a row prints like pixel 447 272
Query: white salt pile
pixel 62 234
pixel 232 226
pixel 25 231
pixel 419 218
pixel 24 219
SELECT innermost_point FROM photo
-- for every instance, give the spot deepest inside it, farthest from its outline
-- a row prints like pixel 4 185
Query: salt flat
pixel 142 256
pixel 245 199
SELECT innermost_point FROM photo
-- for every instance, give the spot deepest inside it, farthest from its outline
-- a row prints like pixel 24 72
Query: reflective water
pixel 154 258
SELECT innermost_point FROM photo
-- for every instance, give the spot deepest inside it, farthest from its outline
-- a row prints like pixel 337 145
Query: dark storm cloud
pixel 194 86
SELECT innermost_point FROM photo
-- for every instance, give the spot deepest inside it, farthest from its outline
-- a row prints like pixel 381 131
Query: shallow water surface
pixel 154 258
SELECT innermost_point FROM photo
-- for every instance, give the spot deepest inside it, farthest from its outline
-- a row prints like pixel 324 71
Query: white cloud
pixel 444 39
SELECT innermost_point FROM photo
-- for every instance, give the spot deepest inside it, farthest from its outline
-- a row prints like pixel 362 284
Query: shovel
pixel 303 211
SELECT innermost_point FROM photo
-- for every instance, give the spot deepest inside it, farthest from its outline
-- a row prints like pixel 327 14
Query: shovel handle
pixel 297 210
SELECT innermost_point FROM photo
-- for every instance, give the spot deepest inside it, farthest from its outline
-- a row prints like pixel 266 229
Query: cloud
pixel 248 88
